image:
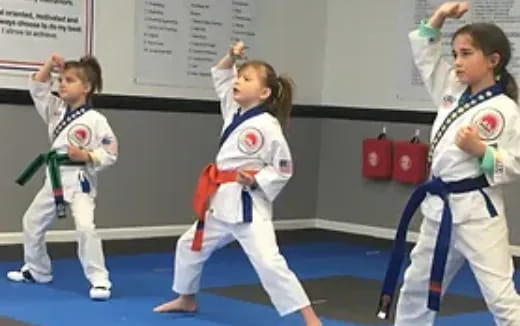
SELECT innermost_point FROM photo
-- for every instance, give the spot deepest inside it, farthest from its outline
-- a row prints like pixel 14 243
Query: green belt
pixel 53 161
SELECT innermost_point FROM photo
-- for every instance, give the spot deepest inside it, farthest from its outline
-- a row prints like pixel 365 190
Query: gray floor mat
pixel 347 298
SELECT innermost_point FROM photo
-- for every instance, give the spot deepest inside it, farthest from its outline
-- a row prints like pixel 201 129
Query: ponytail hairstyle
pixel 89 71
pixel 279 102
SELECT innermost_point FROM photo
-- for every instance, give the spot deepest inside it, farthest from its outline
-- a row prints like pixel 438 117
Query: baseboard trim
pixel 376 232
pixel 147 232
pixel 140 232
pixel 360 229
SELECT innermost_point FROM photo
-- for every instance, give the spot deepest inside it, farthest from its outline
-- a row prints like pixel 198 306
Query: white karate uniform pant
pixel 259 243
pixel 485 244
pixel 37 220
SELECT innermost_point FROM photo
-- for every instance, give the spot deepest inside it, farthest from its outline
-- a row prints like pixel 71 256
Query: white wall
pixel 339 52
pixel 287 38
pixel 364 46
pixel 342 53
pixel 153 181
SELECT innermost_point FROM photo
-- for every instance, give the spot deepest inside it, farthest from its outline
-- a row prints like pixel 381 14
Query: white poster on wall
pixel 31 30
pixel 504 13
pixel 177 41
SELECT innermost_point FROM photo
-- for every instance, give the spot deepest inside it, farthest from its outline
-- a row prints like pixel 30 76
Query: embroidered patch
pixel 405 162
pixel 109 144
pixel 285 166
pixel 250 141
pixel 373 159
pixel 447 101
pixel 79 135
pixel 68 118
pixel 489 123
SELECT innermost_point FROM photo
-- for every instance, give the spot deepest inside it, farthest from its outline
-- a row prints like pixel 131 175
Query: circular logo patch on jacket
pixel 489 123
pixel 79 135
pixel 250 141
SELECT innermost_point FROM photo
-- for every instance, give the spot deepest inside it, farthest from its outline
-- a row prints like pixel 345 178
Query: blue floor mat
pixel 143 281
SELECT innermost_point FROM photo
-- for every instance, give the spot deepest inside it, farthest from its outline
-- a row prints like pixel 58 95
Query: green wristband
pixel 427 31
pixel 487 164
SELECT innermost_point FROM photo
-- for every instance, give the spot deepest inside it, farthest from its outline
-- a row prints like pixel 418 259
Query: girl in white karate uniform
pixel 474 151
pixel 82 144
pixel 252 166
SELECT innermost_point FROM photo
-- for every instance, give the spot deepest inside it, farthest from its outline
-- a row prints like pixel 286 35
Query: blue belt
pixel 442 189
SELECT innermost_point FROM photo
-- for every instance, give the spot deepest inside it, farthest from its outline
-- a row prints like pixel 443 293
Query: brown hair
pixel 89 72
pixel 279 103
pixel 490 39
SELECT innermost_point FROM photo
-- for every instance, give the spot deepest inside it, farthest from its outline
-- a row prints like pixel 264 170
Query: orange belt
pixel 209 181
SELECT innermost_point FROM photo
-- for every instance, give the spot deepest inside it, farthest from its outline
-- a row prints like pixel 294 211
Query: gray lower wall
pixel 161 155
pixel 344 196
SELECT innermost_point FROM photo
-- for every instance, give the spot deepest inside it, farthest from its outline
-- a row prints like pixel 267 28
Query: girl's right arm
pixel 437 74
pixel 40 88
pixel 224 77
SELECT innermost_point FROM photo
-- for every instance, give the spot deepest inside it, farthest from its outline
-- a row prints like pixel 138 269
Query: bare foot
pixel 184 303
pixel 315 323
pixel 310 317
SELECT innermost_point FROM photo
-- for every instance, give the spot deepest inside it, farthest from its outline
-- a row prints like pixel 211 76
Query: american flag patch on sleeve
pixel 285 166
pixel 109 144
